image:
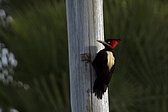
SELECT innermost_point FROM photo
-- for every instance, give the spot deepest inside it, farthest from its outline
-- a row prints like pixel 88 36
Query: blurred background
pixel 34 56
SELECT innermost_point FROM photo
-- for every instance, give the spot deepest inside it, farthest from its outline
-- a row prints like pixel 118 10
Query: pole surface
pixel 85 27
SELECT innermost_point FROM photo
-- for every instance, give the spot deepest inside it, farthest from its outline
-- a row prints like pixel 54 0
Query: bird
pixel 104 64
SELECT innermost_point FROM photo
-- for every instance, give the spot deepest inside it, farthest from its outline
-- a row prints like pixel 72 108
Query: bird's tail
pixel 99 88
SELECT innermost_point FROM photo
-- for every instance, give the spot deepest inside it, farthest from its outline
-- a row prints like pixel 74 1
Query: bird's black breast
pixel 100 60
pixel 104 65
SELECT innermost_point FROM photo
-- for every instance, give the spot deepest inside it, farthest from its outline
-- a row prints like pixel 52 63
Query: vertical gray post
pixel 85 27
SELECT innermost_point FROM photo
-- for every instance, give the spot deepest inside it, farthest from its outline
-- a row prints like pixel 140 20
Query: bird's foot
pixel 86 57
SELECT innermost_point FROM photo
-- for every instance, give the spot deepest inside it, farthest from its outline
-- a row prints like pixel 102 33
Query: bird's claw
pixel 86 57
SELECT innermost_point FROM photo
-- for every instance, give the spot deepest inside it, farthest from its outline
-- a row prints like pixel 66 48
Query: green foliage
pixel 27 4
pixel 140 80
pixel 38 39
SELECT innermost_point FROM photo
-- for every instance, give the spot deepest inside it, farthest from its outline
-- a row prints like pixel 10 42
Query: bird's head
pixel 110 43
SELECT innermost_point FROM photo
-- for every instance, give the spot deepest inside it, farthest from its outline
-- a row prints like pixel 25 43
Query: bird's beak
pixel 104 43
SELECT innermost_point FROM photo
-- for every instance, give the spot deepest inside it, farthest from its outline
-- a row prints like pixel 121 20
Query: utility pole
pixel 85 27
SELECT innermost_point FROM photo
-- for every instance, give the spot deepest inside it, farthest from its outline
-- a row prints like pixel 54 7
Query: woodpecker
pixel 104 64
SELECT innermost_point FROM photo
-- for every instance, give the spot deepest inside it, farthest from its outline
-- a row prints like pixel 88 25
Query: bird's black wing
pixel 100 63
pixel 103 73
